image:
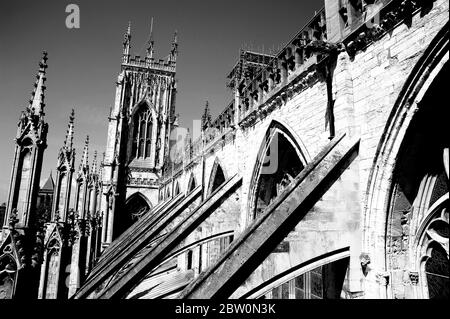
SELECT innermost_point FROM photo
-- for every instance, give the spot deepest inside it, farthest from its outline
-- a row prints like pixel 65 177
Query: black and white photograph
pixel 225 155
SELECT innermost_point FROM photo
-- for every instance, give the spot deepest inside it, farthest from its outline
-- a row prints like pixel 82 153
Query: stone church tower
pixel 22 231
pixel 138 136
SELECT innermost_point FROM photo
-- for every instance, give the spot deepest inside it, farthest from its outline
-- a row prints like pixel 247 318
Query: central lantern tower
pixel 140 123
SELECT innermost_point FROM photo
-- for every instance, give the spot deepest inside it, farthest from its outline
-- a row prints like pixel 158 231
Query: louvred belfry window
pixel 142 138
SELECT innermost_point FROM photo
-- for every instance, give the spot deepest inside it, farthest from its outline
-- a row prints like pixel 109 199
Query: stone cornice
pixel 390 16
pixel 281 96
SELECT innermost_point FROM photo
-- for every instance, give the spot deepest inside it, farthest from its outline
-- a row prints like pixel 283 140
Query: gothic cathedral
pixel 52 251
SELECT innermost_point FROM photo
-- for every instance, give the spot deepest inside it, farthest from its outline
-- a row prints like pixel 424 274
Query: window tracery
pixel 142 137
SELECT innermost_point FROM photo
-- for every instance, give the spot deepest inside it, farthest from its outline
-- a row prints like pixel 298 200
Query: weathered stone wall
pixel 365 88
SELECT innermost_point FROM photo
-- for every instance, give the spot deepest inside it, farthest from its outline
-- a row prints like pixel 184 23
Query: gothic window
pixel 217 177
pixel 148 138
pixel 177 189
pixel 89 197
pixel 8 275
pixel 279 165
pixel 62 194
pixel 200 261
pixel 52 270
pixel 142 137
pixel 322 282
pixel 147 148
pixel 437 273
pixel 417 232
pixel 434 248
pixel 80 202
pixel 136 206
pixel 192 184
pixel 24 181
pixel 189 260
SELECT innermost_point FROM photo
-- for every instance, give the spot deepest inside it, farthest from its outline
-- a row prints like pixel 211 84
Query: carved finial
pixel 175 37
pixel 68 143
pixel 206 117
pixel 84 158
pixel 94 163
pixel 57 216
pixel 414 277
pixel 129 28
pixel 150 43
pixel 37 96
pixel 127 44
pixel 102 163
pixel 174 50
pixel 13 220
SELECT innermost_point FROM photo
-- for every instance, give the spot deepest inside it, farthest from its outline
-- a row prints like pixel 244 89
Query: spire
pixel 176 120
pixel 37 96
pixel 150 44
pixel 127 44
pixel 84 158
pixel 174 51
pixel 68 143
pixel 129 29
pixel 94 163
pixel 102 163
pixel 206 117
pixel 49 184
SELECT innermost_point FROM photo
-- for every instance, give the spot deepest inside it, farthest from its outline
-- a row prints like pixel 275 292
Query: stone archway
pixel 279 160
pixel 217 177
pixel 417 229
pixel 191 184
pixel 177 189
pixel 431 280
pixel 137 205
pixel 410 105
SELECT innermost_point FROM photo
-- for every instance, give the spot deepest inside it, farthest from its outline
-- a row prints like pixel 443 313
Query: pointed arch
pixel 432 261
pixel 217 177
pixel 419 203
pixel 176 189
pixel 279 159
pixel 137 204
pixel 79 202
pixel 8 276
pixel 52 267
pixel 23 181
pixel 142 121
pixel 191 184
pixel 378 201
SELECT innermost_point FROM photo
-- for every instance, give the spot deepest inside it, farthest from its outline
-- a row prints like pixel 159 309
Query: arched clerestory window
pixel 279 162
pixel 192 184
pixel 177 189
pixel 217 177
pixel 142 133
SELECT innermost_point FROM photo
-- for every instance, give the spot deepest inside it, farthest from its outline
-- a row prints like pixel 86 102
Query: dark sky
pixel 84 63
